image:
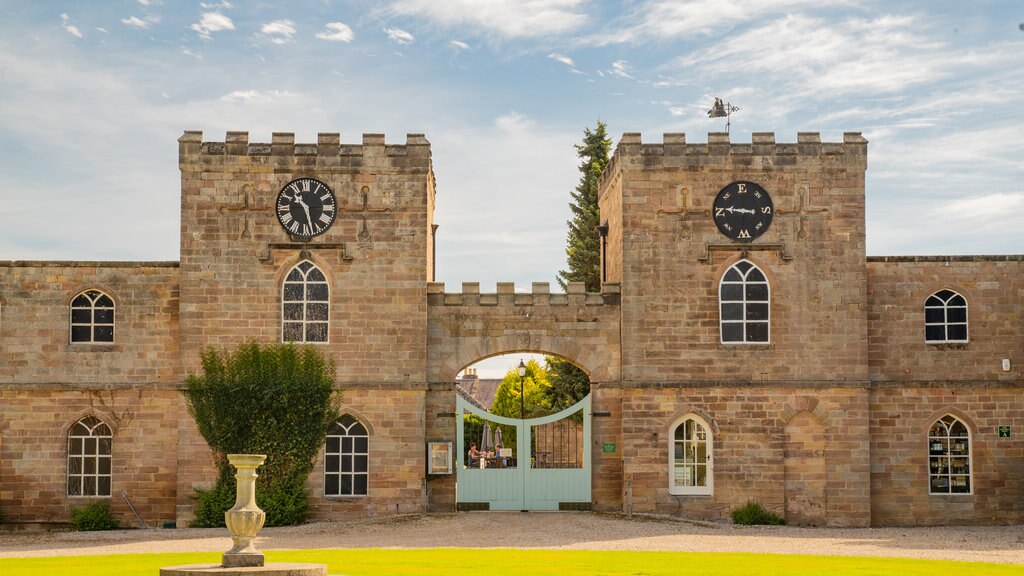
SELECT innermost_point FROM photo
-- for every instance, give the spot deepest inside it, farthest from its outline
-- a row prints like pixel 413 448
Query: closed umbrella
pixel 497 437
pixel 487 442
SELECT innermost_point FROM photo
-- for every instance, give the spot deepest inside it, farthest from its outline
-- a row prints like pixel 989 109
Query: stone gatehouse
pixel 832 387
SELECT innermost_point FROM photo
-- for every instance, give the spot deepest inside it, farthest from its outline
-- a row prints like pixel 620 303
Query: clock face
pixel 743 211
pixel 306 207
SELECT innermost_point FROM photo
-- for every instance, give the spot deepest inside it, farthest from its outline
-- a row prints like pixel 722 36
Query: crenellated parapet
pixel 762 151
pixel 540 295
pixel 327 152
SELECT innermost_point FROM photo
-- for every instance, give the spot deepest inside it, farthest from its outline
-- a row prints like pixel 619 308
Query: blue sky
pixel 93 96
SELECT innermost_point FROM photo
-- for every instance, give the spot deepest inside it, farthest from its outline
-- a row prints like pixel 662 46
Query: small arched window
pixel 305 304
pixel 92 317
pixel 949 457
pixel 690 463
pixel 945 318
pixel 743 297
pixel 89 444
pixel 346 458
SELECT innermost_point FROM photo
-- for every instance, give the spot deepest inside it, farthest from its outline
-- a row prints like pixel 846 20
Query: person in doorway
pixel 474 455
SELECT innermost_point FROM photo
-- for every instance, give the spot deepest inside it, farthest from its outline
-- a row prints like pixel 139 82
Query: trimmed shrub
pixel 276 400
pixel 95 516
pixel 753 513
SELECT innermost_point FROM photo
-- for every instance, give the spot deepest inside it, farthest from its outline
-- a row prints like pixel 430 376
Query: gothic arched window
pixel 305 304
pixel 949 457
pixel 743 297
pixel 89 443
pixel 92 317
pixel 346 458
pixel 945 318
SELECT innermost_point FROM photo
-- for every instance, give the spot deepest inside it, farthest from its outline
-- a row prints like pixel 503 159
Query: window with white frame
pixel 305 304
pixel 92 317
pixel 949 457
pixel 743 297
pixel 945 318
pixel 690 457
pixel 346 458
pixel 89 444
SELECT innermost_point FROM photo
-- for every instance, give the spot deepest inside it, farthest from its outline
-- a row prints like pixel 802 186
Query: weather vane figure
pixel 723 110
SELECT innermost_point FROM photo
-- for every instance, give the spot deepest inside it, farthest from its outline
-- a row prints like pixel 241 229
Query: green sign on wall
pixel 1004 431
pixel 608 447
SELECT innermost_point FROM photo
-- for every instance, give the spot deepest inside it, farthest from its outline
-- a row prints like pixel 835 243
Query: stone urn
pixel 245 519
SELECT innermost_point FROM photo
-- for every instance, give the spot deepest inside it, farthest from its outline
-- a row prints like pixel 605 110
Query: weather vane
pixel 723 110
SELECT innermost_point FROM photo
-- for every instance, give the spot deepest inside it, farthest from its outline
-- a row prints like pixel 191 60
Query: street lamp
pixel 522 395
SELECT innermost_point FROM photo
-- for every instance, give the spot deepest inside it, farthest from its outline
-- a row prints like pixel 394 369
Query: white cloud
pixel 215 5
pixel 459 45
pixel 191 53
pixel 65 23
pixel 278 32
pixel 256 96
pixel 211 22
pixel 563 59
pixel 136 22
pixel 336 32
pixel 101 29
pixel 669 19
pixel 513 122
pixel 997 206
pixel 621 68
pixel 399 36
pixel 507 18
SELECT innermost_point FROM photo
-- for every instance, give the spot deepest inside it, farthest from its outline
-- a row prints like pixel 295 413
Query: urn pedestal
pixel 246 519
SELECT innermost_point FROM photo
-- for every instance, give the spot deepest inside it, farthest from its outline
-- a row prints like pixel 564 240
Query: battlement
pixel 674 151
pixel 327 146
pixel 540 295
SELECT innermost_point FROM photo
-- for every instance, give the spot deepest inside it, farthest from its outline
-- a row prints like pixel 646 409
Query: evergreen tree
pixel 583 251
pixel 569 384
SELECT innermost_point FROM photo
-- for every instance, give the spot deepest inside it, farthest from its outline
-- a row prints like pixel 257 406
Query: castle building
pixel 743 346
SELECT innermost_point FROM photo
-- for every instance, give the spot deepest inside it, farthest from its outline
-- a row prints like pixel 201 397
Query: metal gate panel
pixel 527 486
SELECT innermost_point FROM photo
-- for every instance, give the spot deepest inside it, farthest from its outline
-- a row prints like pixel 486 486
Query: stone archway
pixel 805 472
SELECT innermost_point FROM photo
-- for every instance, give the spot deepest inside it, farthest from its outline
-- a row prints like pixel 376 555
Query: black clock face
pixel 306 207
pixel 743 211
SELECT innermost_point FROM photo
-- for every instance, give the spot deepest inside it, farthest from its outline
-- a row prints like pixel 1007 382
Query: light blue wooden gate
pixel 532 484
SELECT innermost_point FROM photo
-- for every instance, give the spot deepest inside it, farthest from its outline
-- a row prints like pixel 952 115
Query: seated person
pixel 474 455
pixel 502 462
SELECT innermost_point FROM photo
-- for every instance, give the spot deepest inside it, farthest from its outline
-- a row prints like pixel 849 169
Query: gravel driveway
pixel 556 530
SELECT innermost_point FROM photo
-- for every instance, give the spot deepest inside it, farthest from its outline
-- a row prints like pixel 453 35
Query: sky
pixel 93 96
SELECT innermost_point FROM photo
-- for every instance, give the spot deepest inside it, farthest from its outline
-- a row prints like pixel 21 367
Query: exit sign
pixel 1004 431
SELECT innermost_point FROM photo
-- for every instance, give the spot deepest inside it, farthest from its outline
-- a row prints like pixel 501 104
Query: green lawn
pixel 478 562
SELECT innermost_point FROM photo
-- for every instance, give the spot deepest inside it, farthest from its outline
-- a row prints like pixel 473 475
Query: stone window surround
pixel 92 342
pixel 758 344
pixel 708 489
pixel 99 430
pixel 367 432
pixel 945 307
pixel 284 282
pixel 970 454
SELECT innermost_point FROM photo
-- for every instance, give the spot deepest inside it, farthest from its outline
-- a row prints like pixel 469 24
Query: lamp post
pixel 522 394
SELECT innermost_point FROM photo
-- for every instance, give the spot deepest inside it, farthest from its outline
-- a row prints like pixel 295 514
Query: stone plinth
pixel 274 569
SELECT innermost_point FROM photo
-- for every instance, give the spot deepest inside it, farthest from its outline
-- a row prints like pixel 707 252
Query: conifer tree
pixel 583 251
pixel 569 384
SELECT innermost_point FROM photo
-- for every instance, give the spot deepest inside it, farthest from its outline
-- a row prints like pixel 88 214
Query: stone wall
pixel 994 289
pixel 901 415
pixel 469 326
pixel 748 423
pixel 376 256
pixel 34 424
pixel 673 258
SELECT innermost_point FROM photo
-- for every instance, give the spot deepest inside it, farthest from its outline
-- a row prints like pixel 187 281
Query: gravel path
pixel 561 530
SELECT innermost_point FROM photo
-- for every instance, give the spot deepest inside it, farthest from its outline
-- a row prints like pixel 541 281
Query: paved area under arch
pixel 562 530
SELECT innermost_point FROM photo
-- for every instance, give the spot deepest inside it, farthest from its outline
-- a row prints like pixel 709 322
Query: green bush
pixel 276 400
pixel 753 513
pixel 95 516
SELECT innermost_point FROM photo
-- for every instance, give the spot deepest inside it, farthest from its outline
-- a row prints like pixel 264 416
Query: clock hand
pixel 730 209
